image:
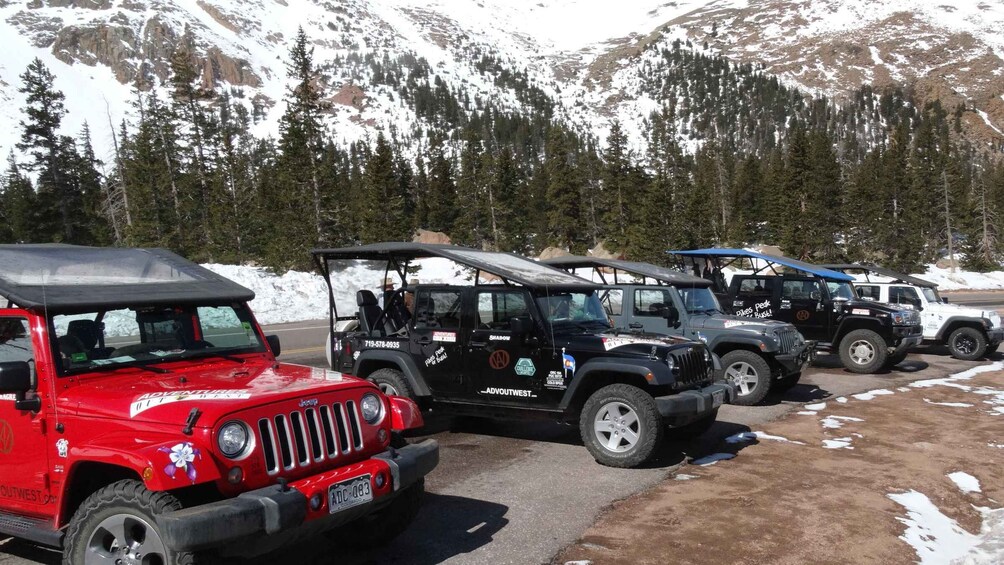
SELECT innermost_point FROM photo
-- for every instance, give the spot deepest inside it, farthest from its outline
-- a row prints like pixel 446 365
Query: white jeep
pixel 969 333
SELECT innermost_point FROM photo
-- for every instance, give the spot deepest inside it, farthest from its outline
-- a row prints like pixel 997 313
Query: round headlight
pixel 372 408
pixel 233 439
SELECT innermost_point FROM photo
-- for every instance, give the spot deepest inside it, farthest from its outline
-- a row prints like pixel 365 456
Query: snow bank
pixel 962 280
pixel 939 539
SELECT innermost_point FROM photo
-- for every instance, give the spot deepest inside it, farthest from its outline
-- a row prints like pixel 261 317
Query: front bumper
pixel 797 360
pixel 260 520
pixel 691 405
pixel 995 335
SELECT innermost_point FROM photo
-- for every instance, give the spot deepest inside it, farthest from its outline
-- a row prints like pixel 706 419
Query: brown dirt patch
pixel 781 502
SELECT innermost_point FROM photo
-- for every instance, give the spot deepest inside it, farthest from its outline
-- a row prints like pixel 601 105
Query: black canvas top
pixel 510 267
pixel 883 272
pixel 646 270
pixel 76 278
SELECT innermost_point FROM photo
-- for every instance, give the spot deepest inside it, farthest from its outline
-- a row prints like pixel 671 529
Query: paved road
pixel 519 492
pixel 979 298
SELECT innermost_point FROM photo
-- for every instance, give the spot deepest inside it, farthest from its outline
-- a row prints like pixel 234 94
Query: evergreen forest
pixel 733 157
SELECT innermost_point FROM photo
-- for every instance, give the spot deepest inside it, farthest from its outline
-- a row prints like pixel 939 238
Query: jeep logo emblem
pixel 308 403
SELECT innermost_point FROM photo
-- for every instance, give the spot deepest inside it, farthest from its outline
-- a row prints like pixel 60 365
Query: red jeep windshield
pixel 141 336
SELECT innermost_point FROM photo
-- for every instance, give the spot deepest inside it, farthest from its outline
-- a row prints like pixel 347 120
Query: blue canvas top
pixel 770 259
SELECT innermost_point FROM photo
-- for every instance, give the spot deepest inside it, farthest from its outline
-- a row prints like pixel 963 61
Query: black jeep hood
pixel 623 344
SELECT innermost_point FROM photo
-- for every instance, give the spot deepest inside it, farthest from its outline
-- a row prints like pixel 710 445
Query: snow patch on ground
pixel 712 459
pixel 966 482
pixel 834 422
pixel 872 394
pixel 684 477
pixel 819 406
pixel 807 413
pixel 838 443
pixel 842 399
pixel 950 404
pixel 938 539
pixel 952 380
pixel 750 436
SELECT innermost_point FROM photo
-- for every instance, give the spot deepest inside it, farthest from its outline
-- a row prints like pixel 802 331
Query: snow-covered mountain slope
pixel 585 56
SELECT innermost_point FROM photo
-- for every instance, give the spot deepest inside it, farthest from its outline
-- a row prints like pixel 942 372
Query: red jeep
pixel 145 418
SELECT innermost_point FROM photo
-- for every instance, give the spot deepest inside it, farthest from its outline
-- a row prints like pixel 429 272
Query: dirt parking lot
pixel 898 475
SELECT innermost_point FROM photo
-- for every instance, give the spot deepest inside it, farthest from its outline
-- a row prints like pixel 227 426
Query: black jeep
pixel 758 355
pixel 822 304
pixel 521 340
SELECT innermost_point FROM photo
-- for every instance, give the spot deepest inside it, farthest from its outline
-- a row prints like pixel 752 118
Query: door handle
pixel 423 341
pixel 477 344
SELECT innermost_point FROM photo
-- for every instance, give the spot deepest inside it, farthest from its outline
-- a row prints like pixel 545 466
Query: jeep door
pixel 503 366
pixel 803 303
pixel 754 296
pixel 436 339
pixel 24 447
pixel 649 309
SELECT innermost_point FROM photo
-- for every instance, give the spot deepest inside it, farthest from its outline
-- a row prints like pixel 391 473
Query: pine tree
pixel 618 188
pixel 563 193
pixel 442 194
pixel 17 206
pixel 59 201
pixel 384 216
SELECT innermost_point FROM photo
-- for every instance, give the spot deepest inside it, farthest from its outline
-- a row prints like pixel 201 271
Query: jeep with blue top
pixel 518 339
pixel 757 354
pixel 822 304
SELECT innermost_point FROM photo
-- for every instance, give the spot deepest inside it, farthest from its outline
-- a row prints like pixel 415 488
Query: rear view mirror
pixel 15 376
pixel 273 344
pixel 520 325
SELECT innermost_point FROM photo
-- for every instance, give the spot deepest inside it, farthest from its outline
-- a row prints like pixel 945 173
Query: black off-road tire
pixel 854 360
pixel 621 399
pixel 136 505
pixel 392 383
pixel 694 429
pixel 786 383
pixel 748 365
pixel 896 359
pixel 379 528
pixel 967 343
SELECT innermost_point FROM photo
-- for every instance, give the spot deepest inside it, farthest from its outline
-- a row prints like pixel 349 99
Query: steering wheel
pixel 387 301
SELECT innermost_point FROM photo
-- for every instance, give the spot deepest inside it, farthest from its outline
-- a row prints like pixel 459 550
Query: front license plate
pixel 347 494
pixel 717 398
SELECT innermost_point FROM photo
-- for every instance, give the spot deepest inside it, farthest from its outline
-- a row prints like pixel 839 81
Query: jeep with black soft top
pixel 822 304
pixel 524 340
pixel 757 355
pixel 145 419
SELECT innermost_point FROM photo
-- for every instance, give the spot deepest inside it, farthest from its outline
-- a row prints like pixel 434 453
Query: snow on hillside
pixel 962 280
pixel 586 55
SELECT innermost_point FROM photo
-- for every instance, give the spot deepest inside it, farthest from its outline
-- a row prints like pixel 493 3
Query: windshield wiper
pixel 233 358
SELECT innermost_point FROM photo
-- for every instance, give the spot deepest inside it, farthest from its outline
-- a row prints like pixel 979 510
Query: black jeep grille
pixel 788 340
pixel 691 367
pixel 306 437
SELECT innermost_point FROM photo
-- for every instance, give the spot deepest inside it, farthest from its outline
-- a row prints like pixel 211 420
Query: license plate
pixel 717 398
pixel 347 494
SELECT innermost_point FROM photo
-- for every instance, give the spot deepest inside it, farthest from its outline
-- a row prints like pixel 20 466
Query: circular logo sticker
pixel 6 437
pixel 499 359
pixel 802 315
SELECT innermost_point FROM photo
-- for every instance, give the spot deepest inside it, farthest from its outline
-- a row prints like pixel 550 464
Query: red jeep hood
pixel 216 391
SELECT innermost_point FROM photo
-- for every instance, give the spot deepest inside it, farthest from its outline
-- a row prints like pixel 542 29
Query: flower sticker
pixel 183 457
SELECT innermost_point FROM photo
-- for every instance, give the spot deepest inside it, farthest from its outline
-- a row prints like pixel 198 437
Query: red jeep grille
pixel 305 437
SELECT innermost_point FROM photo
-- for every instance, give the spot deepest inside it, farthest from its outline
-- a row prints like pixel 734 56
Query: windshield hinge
pixel 193 417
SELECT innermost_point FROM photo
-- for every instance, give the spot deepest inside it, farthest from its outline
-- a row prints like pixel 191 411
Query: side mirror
pixel 815 295
pixel 15 376
pixel 273 344
pixel 944 299
pixel 520 325
pixel 672 316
